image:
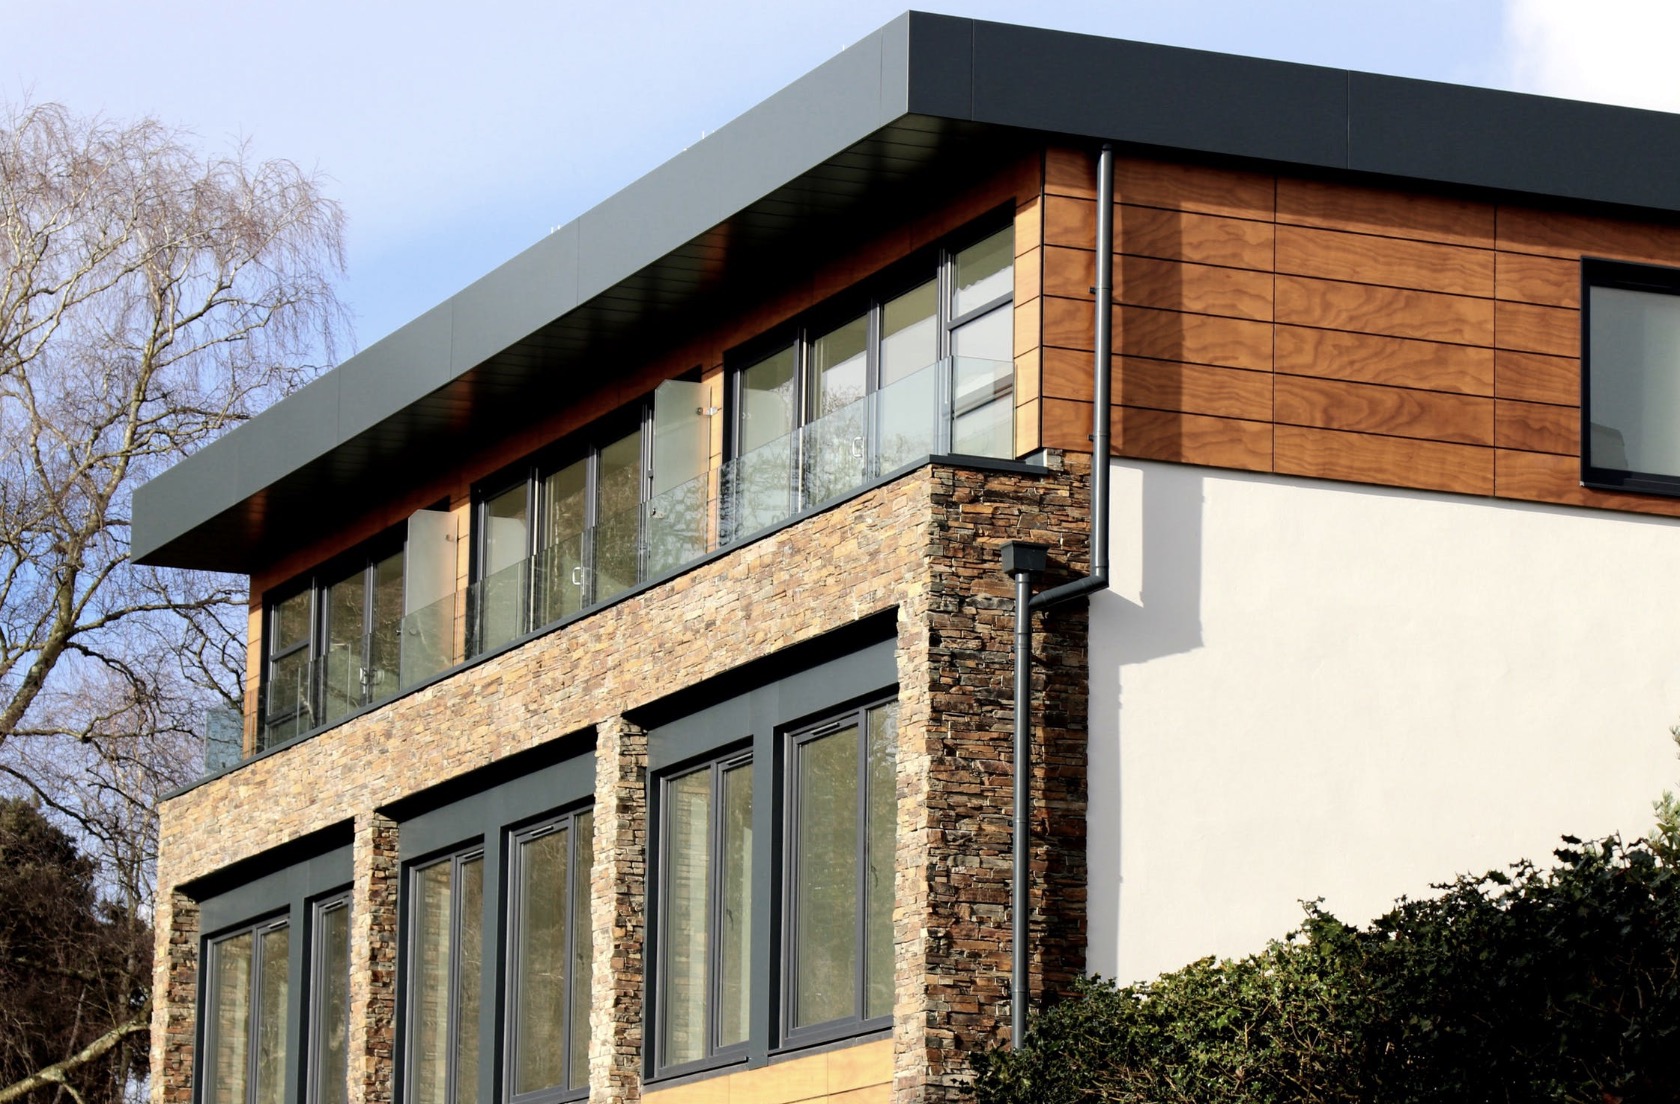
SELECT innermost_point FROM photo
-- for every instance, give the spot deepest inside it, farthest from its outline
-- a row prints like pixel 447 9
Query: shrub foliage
pixel 1558 984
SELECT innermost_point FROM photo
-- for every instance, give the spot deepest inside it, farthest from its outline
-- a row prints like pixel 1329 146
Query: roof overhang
pixel 915 104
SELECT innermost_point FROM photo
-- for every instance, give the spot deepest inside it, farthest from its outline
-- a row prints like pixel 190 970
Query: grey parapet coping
pixel 908 101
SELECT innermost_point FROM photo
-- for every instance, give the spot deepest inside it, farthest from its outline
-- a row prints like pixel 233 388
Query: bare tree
pixel 150 298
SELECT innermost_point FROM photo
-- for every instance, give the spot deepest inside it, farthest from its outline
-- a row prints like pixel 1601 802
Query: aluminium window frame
pixel 737 757
pixel 868 300
pixel 316 582
pixel 412 871
pixel 530 473
pixel 256 929
pixel 511 889
pixel 793 1037
pixel 313 1022
pixel 1600 272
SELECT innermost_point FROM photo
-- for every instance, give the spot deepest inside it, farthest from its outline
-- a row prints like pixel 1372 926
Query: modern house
pixel 632 683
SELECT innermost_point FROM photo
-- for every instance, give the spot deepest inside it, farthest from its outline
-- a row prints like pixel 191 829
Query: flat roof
pixel 906 107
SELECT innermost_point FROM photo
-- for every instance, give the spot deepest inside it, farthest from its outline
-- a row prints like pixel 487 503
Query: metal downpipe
pixel 1022 561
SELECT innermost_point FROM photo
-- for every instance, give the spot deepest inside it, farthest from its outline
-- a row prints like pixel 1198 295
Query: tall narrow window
pixel 840 886
pixel 446 968
pixel 245 1016
pixel 706 912
pixel 927 368
pixel 329 1003
pixel 551 951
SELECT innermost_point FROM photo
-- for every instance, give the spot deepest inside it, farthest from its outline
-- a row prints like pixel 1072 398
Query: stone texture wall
pixel 925 545
pixel 175 976
pixel 618 913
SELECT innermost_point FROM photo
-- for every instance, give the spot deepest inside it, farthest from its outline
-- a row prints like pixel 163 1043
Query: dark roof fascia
pixel 937 67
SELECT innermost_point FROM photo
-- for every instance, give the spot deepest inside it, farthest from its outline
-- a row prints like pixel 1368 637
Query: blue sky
pixel 456 137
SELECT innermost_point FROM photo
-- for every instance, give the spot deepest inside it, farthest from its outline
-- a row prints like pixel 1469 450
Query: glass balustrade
pixel 958 405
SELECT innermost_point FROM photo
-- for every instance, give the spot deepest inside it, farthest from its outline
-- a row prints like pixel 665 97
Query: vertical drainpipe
pixel 1023 561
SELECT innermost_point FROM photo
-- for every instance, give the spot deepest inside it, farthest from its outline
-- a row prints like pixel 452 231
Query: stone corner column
pixel 373 968
pixel 174 998
pixel 618 913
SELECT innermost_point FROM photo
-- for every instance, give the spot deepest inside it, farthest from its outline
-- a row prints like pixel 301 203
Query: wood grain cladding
pixel 1327 329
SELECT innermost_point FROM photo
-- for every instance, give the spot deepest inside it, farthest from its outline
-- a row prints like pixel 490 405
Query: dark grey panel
pixel 941 65
pixel 482 815
pixel 174 503
pixel 1504 140
pixel 302 427
pixel 518 298
pixel 1160 95
pixel 288 885
pixel 394 372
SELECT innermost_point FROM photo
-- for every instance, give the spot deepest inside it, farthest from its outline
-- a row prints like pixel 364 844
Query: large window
pixel 498 943
pixel 551 957
pixel 274 987
pixel 245 1016
pixel 705 933
pixel 774 857
pixel 359 629
pixel 1631 358
pixel 924 367
pixel 624 503
pixel 839 967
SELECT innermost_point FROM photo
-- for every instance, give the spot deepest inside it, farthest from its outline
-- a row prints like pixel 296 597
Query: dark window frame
pixel 314 1020
pixel 256 929
pixel 1597 272
pixel 716 1055
pixel 867 300
pixel 366 558
pixel 457 859
pixel 511 888
pixel 795 739
pixel 584 446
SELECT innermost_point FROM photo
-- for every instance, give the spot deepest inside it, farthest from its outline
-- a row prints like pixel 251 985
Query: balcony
pixel 954 406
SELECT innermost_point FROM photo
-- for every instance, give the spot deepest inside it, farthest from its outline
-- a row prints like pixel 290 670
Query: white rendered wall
pixel 1306 689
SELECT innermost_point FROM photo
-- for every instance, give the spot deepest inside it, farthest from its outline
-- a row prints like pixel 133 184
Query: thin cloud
pixel 1611 51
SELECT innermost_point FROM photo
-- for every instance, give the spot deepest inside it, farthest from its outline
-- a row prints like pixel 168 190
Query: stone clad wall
pixel 925 545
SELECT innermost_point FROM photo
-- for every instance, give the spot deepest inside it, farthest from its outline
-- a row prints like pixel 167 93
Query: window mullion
pixel 860 845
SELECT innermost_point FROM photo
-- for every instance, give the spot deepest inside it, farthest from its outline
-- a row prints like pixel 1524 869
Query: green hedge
pixel 1532 985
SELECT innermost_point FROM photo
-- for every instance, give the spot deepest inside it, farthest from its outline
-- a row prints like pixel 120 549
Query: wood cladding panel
pixel 1393 461
pixel 1191 388
pixel 1195 288
pixel 1572 236
pixel 1545 280
pixel 1201 188
pixel 1071 172
pixel 1371 358
pixel 1395 411
pixel 1393 312
pixel 1193 338
pixel 1396 262
pixel 1546 477
pixel 1188 236
pixel 1336 206
pixel 1537 427
pixel 1532 329
pixel 1164 435
pixel 1536 378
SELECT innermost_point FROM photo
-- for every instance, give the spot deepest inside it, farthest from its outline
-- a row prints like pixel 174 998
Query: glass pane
pixel 330 1009
pixel 984 271
pixel 341 661
pixel 288 625
pixel 685 937
pixel 501 606
pixel 288 698
pixel 826 903
pixel 839 367
pixel 618 515
pixel 271 1017
pixel 880 858
pixel 469 980
pixel 230 1020
pixel 758 484
pixel 539 979
pixel 909 332
pixel 560 575
pixel 1635 387
pixel 767 400
pixel 991 337
pixel 583 948
pixel 428 1036
pixel 426 639
pixel 384 650
pixel 735 919
pixel 907 419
